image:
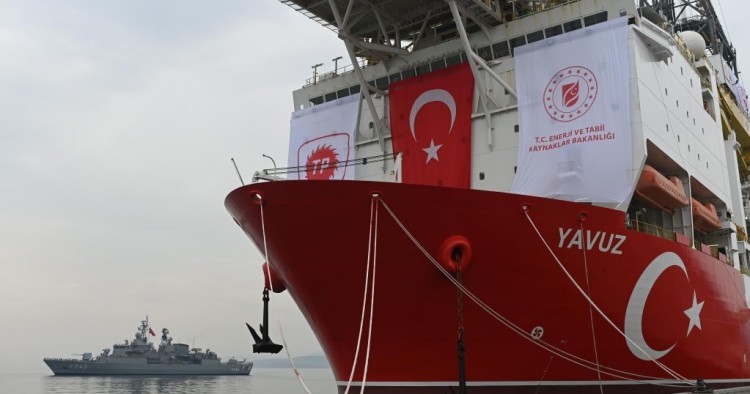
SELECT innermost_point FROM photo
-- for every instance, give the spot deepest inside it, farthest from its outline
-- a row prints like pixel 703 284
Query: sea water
pixel 260 381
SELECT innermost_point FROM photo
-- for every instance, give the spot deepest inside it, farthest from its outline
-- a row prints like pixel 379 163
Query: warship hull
pixel 140 357
pixel 141 367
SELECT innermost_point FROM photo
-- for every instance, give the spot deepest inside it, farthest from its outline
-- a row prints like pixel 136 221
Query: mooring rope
pixel 291 360
pixel 372 297
pixel 584 363
pixel 591 315
pixel 591 302
pixel 373 204
pixel 270 285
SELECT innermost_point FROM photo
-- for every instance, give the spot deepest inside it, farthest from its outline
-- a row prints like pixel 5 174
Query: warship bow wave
pixel 139 357
pixel 513 196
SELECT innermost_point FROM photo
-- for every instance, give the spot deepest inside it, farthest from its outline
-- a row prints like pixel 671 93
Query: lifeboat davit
pixel 705 217
pixel 663 193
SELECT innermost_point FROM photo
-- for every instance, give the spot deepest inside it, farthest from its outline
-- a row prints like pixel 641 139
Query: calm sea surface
pixel 260 381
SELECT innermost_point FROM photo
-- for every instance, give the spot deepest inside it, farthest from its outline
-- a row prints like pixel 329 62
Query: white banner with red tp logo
pixel 321 143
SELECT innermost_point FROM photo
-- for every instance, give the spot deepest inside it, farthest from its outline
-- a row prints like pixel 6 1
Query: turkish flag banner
pixel 431 126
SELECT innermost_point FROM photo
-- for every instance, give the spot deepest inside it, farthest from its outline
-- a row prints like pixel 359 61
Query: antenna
pixel 315 72
pixel 238 171
pixel 336 65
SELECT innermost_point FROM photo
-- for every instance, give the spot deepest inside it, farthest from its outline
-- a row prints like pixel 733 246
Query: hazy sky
pixel 118 120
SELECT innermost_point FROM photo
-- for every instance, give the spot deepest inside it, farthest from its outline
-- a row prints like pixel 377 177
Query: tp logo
pixel 324 157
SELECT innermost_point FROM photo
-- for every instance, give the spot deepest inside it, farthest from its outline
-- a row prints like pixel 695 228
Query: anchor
pixel 263 343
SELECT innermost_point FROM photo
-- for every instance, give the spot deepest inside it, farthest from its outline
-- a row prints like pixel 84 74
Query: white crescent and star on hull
pixel 430 96
pixel 634 312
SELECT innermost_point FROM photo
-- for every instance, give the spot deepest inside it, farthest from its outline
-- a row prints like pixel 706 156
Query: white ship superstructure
pixel 686 119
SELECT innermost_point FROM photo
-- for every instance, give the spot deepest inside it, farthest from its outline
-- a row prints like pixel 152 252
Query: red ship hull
pixel 691 316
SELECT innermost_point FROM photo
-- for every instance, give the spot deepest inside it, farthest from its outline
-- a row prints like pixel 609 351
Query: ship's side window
pixel 381 83
pixel 572 25
pixel 342 93
pixel 535 36
pixel 395 77
pixel 438 64
pixel 408 73
pixel 485 53
pixel 515 128
pixel 451 60
pixel 553 31
pixel 354 89
pixel 500 49
pixel 317 100
pixel 423 69
pixel 330 96
pixel 596 18
pixel 517 42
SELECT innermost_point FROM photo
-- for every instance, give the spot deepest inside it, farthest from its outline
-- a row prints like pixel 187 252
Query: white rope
pixel 265 245
pixel 364 299
pixel 666 369
pixel 516 329
pixel 372 298
pixel 291 360
pixel 270 285
pixel 591 317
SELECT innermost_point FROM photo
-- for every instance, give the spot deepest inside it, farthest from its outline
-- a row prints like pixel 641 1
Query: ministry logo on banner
pixel 575 142
pixel 321 142
pixel 570 93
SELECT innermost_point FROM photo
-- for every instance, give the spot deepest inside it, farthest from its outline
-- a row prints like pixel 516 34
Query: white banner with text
pixel 574 116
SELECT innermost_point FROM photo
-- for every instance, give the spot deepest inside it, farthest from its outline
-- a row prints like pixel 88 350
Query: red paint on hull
pixel 317 236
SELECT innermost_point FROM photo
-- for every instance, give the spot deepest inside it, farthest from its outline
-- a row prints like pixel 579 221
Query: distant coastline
pixel 300 362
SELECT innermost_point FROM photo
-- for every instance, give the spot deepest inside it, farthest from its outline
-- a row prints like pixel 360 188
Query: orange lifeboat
pixel 705 217
pixel 663 193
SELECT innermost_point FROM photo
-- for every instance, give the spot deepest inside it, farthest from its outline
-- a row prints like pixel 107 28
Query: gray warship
pixel 139 357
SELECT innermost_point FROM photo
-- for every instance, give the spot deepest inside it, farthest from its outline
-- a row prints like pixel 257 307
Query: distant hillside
pixel 301 362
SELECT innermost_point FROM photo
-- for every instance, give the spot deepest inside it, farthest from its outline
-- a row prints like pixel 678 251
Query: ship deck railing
pixel 277 173
pixel 447 59
pixel 661 232
pixel 652 229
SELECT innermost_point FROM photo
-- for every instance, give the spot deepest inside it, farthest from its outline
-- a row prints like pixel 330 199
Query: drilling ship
pixel 505 196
